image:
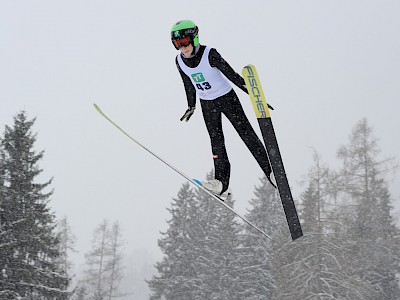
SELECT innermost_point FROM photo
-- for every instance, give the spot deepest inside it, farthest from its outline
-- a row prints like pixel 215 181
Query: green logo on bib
pixel 198 77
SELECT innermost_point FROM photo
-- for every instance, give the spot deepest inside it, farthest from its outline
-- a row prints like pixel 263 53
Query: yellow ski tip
pixel 256 92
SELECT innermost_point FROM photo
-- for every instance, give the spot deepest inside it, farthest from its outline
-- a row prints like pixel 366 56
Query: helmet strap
pixel 195 49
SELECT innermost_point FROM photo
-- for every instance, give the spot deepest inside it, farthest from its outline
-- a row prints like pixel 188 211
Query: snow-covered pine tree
pixel 218 241
pixel 200 251
pixel 66 245
pixel 103 264
pixel 114 265
pixel 80 292
pixel 257 253
pixel 178 276
pixel 370 227
pixel 315 265
pixel 28 245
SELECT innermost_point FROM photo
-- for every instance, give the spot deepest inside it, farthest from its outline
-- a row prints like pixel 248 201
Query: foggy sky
pixel 324 65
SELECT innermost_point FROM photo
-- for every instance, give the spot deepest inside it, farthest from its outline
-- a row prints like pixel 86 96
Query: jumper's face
pixel 186 50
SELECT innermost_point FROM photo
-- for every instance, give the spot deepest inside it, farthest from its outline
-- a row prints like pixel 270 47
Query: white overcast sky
pixel 324 65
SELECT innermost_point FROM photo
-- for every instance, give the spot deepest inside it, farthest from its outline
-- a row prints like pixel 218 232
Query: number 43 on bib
pixel 201 82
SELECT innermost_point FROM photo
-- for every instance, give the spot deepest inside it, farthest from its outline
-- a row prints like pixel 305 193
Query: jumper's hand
pixel 188 113
pixel 244 89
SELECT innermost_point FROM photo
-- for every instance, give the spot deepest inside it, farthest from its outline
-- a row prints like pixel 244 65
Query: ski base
pixel 261 110
pixel 192 181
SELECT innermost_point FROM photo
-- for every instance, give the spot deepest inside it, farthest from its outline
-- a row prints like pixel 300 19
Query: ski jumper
pixel 202 75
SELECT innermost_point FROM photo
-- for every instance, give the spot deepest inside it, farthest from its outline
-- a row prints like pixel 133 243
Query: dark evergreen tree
pixel 258 276
pixel 178 273
pixel 219 246
pixel 200 251
pixel 28 247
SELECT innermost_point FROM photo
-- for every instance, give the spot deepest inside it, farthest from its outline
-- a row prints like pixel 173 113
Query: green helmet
pixel 183 33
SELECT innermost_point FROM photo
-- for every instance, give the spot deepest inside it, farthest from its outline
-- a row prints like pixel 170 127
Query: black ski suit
pixel 230 106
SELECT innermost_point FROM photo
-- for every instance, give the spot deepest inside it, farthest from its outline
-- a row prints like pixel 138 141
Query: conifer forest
pixel 350 248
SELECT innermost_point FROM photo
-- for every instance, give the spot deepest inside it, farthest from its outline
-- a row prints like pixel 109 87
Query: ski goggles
pixel 182 42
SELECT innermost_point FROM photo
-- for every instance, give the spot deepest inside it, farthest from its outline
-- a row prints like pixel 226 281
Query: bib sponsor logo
pixel 198 77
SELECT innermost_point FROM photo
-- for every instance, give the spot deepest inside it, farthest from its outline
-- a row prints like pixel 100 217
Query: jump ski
pixel 192 181
pixel 267 130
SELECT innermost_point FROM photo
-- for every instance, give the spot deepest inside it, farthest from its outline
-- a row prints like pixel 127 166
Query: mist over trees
pixel 104 269
pixel 350 250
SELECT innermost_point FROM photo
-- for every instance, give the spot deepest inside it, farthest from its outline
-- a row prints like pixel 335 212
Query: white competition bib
pixel 208 81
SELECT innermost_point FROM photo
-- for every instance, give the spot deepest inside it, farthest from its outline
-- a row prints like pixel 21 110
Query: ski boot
pixel 215 187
